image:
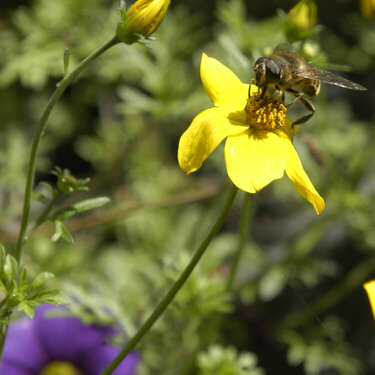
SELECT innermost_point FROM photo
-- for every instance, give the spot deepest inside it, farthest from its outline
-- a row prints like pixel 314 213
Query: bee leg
pixel 307 103
pixel 264 89
pixel 280 92
pixel 309 106
pixel 252 82
pixel 297 96
pixel 274 95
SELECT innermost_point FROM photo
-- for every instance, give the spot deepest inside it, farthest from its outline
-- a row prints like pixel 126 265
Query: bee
pixel 286 70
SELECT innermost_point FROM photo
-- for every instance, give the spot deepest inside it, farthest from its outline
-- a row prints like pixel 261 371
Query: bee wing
pixel 330 78
pixel 285 47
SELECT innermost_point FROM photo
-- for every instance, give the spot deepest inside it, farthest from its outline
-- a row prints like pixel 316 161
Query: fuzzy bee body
pixel 287 71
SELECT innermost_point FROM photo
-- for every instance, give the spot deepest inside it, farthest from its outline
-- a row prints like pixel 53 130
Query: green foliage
pixel 120 123
pixel 67 183
pixel 322 349
pixel 226 361
pixel 20 293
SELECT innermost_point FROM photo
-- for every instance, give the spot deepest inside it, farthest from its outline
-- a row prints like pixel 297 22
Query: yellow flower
pixel 368 8
pixel 258 148
pixel 144 16
pixel 141 19
pixel 303 14
pixel 370 289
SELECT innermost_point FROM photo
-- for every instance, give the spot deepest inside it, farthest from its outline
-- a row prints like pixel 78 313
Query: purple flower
pixel 34 345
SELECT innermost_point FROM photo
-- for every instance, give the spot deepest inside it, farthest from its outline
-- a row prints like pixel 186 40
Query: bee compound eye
pixel 260 70
pixel 273 71
pixel 258 76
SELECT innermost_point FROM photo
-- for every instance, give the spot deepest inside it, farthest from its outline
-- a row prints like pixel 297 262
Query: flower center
pixel 267 113
pixel 60 368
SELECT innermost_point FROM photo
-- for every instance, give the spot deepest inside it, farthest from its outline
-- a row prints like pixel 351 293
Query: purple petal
pixel 10 369
pixel 97 360
pixel 23 353
pixel 67 338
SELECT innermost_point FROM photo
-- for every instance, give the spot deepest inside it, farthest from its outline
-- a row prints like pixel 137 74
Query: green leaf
pixel 65 213
pixel 2 261
pixel 23 277
pixel 61 232
pixel 56 300
pixel 91 203
pixel 27 308
pixel 10 268
pixel 3 287
pixel 41 279
pixel 221 360
pixel 51 296
pixel 67 183
pixel 272 283
pixel 40 197
pixel 5 319
pixel 82 206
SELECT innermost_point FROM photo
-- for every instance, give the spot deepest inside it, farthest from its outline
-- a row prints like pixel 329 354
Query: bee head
pixel 267 72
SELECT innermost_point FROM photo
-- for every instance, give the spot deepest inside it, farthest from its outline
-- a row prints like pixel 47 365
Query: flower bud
pixel 368 8
pixel 141 20
pixel 370 289
pixel 303 15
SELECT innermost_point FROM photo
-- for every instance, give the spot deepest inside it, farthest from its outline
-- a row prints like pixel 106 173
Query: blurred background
pixel 297 305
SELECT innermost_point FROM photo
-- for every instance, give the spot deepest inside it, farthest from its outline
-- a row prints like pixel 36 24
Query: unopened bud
pixel 303 14
pixel 370 289
pixel 141 20
pixel 368 9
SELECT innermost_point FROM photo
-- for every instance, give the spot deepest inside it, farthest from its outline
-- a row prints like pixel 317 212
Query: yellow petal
pixel 301 181
pixel 144 16
pixel 205 133
pixel 222 85
pixel 255 158
pixel 370 289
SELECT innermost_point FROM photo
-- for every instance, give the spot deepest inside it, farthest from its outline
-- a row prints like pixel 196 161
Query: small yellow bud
pixel 368 9
pixel 141 19
pixel 303 14
pixel 370 289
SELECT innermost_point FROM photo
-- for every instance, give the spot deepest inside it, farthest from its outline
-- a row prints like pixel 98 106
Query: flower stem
pixel 244 229
pixel 61 86
pixel 43 215
pixel 3 335
pixel 216 321
pixel 168 298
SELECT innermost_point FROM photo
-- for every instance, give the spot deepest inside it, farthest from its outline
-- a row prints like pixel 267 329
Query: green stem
pixel 3 335
pixel 168 298
pixel 214 324
pixel 244 229
pixel 6 299
pixel 43 215
pixel 61 86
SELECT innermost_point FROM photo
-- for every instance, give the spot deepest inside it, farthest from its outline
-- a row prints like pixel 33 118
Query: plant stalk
pixel 43 215
pixel 61 86
pixel 168 298
pixel 244 229
pixel 3 335
pixel 213 325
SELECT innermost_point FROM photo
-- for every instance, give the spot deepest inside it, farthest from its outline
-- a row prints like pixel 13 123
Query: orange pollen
pixel 267 113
